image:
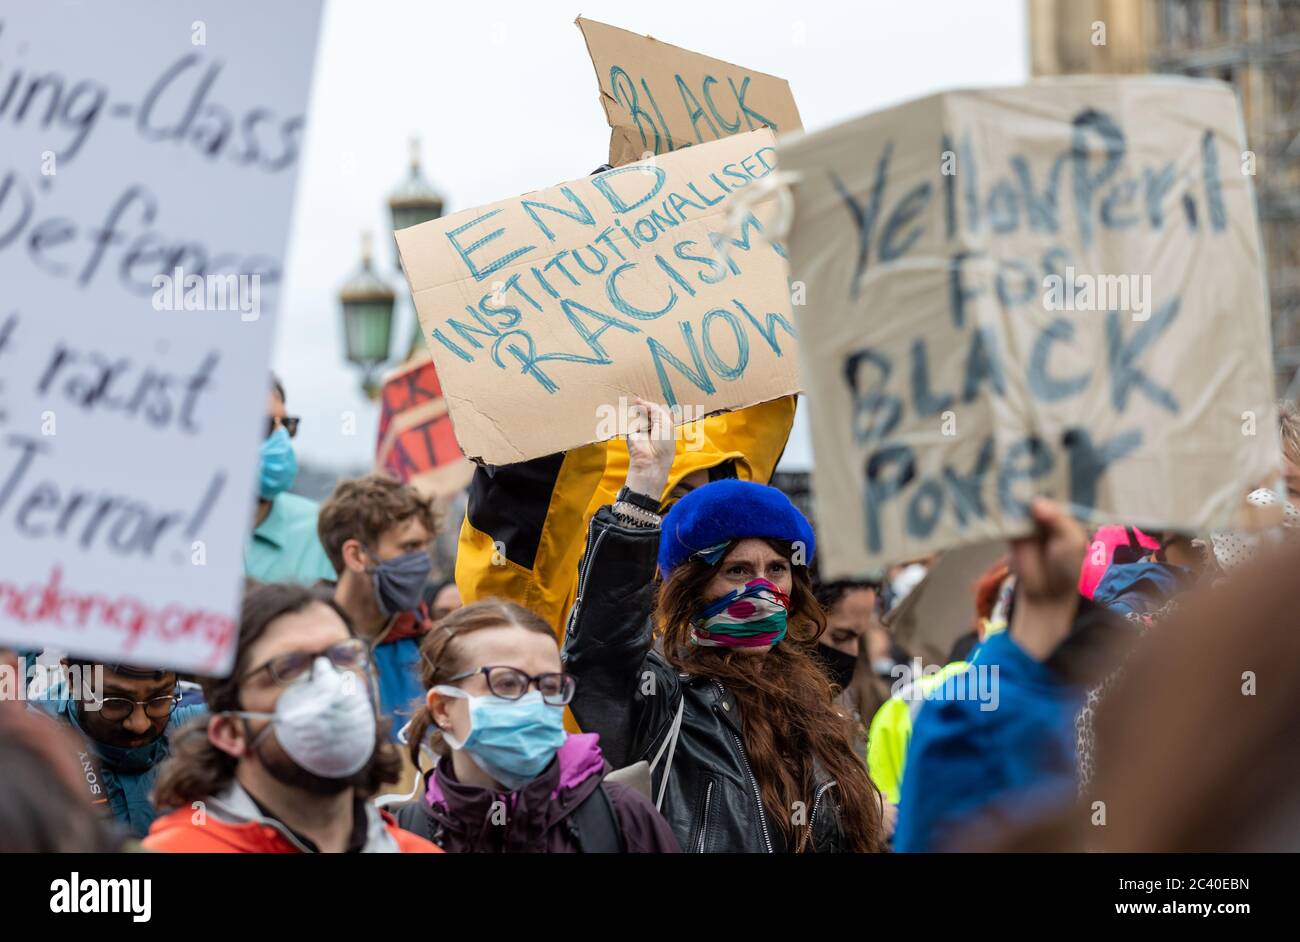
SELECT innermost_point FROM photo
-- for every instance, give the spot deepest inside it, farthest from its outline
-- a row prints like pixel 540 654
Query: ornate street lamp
pixel 367 320
pixel 415 200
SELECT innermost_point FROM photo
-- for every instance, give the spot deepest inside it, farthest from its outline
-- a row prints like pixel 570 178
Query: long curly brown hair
pixel 785 699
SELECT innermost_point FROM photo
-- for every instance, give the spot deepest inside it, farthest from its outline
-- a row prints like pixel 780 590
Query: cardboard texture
pixel 660 98
pixel 416 441
pixel 547 313
pixel 1053 289
pixel 942 606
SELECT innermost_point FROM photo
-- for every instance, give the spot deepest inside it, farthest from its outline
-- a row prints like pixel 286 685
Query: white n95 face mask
pixel 325 721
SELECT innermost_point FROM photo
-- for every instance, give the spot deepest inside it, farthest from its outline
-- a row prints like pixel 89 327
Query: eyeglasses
pixel 290 423
pixel 350 655
pixel 510 684
pixel 116 709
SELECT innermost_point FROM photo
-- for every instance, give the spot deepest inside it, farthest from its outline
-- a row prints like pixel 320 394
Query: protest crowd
pixel 647 647
pixel 728 700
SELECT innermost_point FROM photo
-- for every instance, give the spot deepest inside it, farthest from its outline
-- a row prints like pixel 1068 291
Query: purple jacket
pixel 463 816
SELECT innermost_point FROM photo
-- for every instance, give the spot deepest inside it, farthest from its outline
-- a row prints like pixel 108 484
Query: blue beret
pixel 730 510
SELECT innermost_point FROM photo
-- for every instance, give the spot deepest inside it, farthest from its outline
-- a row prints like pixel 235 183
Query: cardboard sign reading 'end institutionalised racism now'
pixel 548 312
pixel 1054 289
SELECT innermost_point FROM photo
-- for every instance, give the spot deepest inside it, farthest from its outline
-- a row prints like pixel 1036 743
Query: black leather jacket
pixel 629 694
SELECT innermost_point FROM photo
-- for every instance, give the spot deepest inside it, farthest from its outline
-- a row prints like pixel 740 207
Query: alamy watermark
pixel 181 292
pixel 1129 294
pixel 89 895
pixel 31 681
pixel 917 681
pixel 613 421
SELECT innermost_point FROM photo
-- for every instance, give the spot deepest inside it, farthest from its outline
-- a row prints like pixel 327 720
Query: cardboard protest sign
pixel 942 607
pixel 146 185
pixel 547 313
pixel 659 98
pixel 416 441
pixel 1054 289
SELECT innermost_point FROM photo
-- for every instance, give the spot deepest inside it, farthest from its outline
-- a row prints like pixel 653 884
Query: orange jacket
pixel 215 831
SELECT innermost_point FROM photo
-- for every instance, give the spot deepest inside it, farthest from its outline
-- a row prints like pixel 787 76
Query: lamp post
pixel 367 320
pixel 368 302
pixel 413 202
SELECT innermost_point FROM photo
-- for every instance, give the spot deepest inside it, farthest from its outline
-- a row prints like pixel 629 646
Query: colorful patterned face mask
pixel 752 617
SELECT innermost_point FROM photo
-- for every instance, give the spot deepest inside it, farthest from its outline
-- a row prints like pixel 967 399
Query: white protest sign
pixel 155 138
pixel 547 313
pixel 1055 289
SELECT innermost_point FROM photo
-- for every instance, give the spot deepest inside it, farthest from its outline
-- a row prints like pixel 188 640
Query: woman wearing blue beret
pixel 719 690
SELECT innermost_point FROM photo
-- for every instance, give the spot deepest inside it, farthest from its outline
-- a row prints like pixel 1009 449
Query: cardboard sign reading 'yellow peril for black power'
pixel 1054 289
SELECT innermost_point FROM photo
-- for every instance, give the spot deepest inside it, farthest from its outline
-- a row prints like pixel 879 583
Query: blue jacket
pixel 1140 588
pixel 397 670
pixel 966 763
pixel 126 776
pixel 395 665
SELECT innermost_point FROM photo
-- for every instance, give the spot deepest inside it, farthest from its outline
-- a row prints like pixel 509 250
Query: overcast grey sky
pixel 504 98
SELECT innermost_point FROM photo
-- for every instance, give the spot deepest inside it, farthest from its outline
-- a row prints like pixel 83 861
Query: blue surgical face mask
pixel 279 465
pixel 510 740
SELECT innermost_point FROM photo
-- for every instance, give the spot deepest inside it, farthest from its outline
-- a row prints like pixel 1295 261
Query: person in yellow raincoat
pixel 525 524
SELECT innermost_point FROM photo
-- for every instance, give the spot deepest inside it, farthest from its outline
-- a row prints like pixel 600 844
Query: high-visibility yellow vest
pixel 891 730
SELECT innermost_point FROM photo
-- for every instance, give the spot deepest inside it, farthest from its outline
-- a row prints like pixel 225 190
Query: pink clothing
pixel 579 759
pixel 1109 537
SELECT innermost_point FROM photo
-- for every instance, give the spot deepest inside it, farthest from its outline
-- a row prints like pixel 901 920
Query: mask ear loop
pixel 245 715
pixel 254 740
pixel 404 737
pixel 457 693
